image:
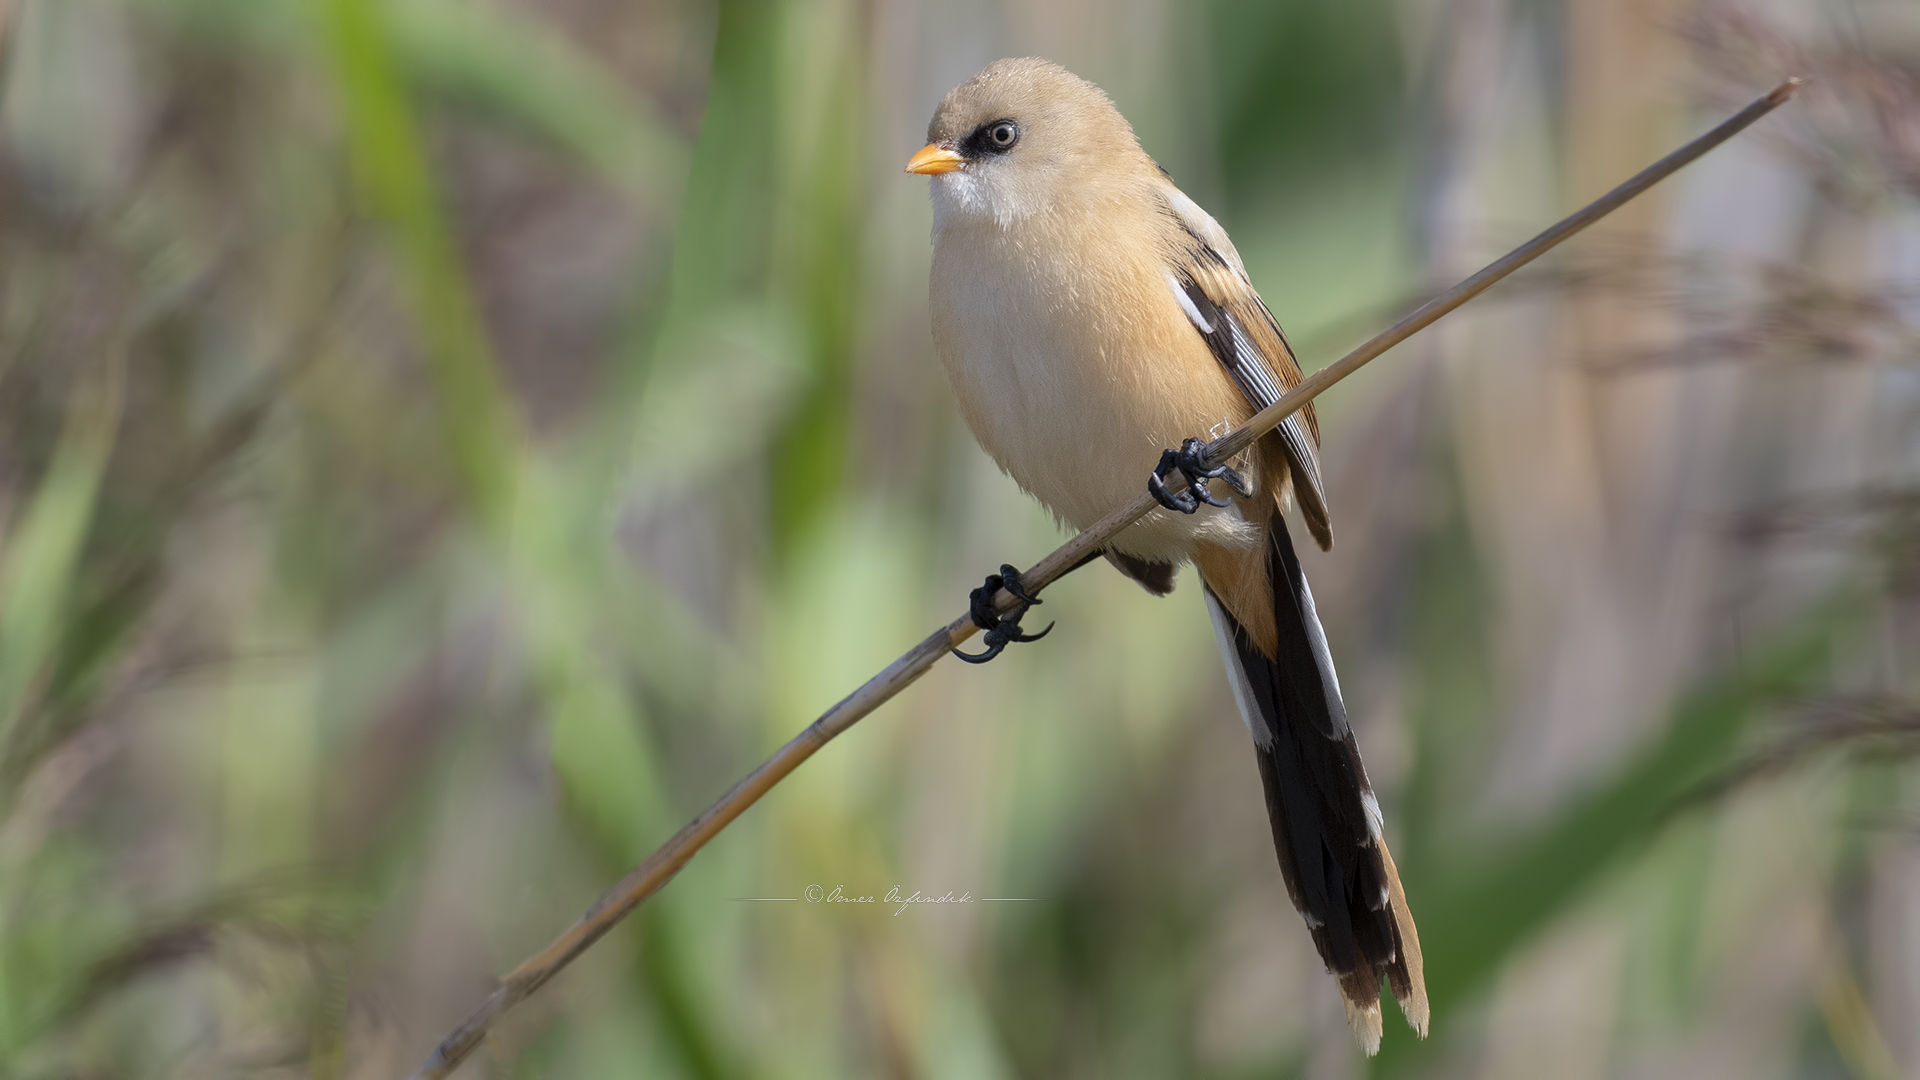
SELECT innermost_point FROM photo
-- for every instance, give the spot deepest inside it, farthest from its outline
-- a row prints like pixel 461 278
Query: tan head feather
pixel 1025 134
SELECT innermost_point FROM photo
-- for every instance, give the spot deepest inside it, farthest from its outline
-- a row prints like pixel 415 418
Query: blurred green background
pixel 444 443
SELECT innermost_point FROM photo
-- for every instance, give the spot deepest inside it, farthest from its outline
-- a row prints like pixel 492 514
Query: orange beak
pixel 934 159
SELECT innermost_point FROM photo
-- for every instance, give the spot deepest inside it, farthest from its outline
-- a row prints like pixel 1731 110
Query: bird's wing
pixel 1211 284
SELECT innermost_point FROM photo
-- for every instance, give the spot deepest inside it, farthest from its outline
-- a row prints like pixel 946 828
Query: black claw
pixel 1183 502
pixel 1010 581
pixel 1191 460
pixel 1002 630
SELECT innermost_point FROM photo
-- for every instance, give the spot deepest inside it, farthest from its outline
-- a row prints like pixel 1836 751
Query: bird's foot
pixel 1002 630
pixel 1191 460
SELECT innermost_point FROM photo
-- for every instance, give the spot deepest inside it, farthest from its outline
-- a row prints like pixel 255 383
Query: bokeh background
pixel 443 443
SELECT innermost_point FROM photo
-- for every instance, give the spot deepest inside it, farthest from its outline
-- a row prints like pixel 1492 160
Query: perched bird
pixel 1091 319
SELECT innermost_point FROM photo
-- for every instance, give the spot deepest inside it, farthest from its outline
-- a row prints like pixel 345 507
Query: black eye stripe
pixel 992 137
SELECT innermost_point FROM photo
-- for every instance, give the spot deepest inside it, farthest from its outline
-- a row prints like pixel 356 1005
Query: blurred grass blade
pixel 397 185
pixel 520 69
pixel 602 750
pixel 719 268
pixel 494 60
pixel 823 237
pixel 1470 926
pixel 720 250
pixel 38 561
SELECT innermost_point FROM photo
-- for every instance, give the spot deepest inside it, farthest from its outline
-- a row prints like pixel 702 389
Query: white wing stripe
pixel 1186 304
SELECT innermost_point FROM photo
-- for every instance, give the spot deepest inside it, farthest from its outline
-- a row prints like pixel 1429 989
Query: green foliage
pixel 38 565
pixel 1480 906
pixel 395 186
pixel 1305 91
pixel 512 69
pixel 340 667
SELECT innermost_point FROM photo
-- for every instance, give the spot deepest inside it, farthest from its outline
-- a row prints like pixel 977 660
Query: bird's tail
pixel 1326 822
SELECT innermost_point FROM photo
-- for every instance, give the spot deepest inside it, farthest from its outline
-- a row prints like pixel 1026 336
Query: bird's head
pixel 1021 137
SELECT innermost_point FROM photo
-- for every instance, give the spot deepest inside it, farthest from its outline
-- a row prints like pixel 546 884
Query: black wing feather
pixel 1251 371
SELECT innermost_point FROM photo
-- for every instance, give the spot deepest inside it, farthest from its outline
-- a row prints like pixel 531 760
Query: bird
pixel 1093 321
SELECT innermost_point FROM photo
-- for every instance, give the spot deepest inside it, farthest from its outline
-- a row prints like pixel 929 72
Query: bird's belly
pixel 1080 420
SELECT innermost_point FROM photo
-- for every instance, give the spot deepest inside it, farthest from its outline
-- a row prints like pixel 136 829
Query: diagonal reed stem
pixel 660 867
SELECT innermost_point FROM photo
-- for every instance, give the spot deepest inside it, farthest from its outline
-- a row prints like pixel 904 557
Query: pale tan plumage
pixel 1086 313
pixel 1066 366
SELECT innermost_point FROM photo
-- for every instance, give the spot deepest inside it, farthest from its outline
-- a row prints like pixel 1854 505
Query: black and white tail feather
pixel 1326 821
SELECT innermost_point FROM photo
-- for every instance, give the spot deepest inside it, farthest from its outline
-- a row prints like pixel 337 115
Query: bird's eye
pixel 987 140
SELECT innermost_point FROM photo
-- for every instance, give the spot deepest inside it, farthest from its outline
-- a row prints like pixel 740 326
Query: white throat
pixel 977 195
